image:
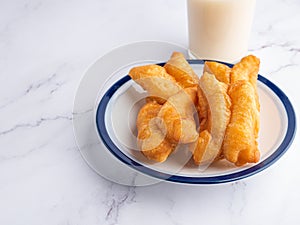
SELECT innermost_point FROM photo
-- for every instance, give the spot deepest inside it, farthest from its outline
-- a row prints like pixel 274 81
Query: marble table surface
pixel 45 47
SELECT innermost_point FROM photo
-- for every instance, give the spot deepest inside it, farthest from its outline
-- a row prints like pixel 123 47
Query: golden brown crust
pixel 180 69
pixel 220 70
pixel 200 147
pixel 203 111
pixel 151 140
pixel 240 145
pixel 151 70
pixel 246 69
pixel 177 118
pixel 146 113
pixel 215 93
pixel 155 80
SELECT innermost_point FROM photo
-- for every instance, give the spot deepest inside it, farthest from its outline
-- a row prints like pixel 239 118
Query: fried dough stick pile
pixel 229 111
pixel 240 145
pixel 172 93
pixel 225 100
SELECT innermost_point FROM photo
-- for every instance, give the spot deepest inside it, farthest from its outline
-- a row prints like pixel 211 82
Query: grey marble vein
pixel 82 112
pixel 286 45
pixel 36 86
pixel 116 200
pixel 238 201
pixel 37 123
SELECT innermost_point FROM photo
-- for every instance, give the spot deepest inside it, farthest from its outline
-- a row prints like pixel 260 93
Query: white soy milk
pixel 219 29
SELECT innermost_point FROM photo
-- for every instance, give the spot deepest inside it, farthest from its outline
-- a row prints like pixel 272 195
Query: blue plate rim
pixel 282 148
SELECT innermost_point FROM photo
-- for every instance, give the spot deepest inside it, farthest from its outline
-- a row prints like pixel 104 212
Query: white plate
pixel 91 147
pixel 119 103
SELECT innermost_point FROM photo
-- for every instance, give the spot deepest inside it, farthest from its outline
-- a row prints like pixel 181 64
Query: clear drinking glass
pixel 219 29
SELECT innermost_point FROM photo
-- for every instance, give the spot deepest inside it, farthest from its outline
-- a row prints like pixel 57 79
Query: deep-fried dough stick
pixel 156 81
pixel 222 74
pixel 177 119
pixel 209 143
pixel 247 69
pixel 151 140
pixel 240 145
pixel 220 70
pixel 180 69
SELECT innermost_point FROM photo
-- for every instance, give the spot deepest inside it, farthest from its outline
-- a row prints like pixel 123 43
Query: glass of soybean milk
pixel 219 29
